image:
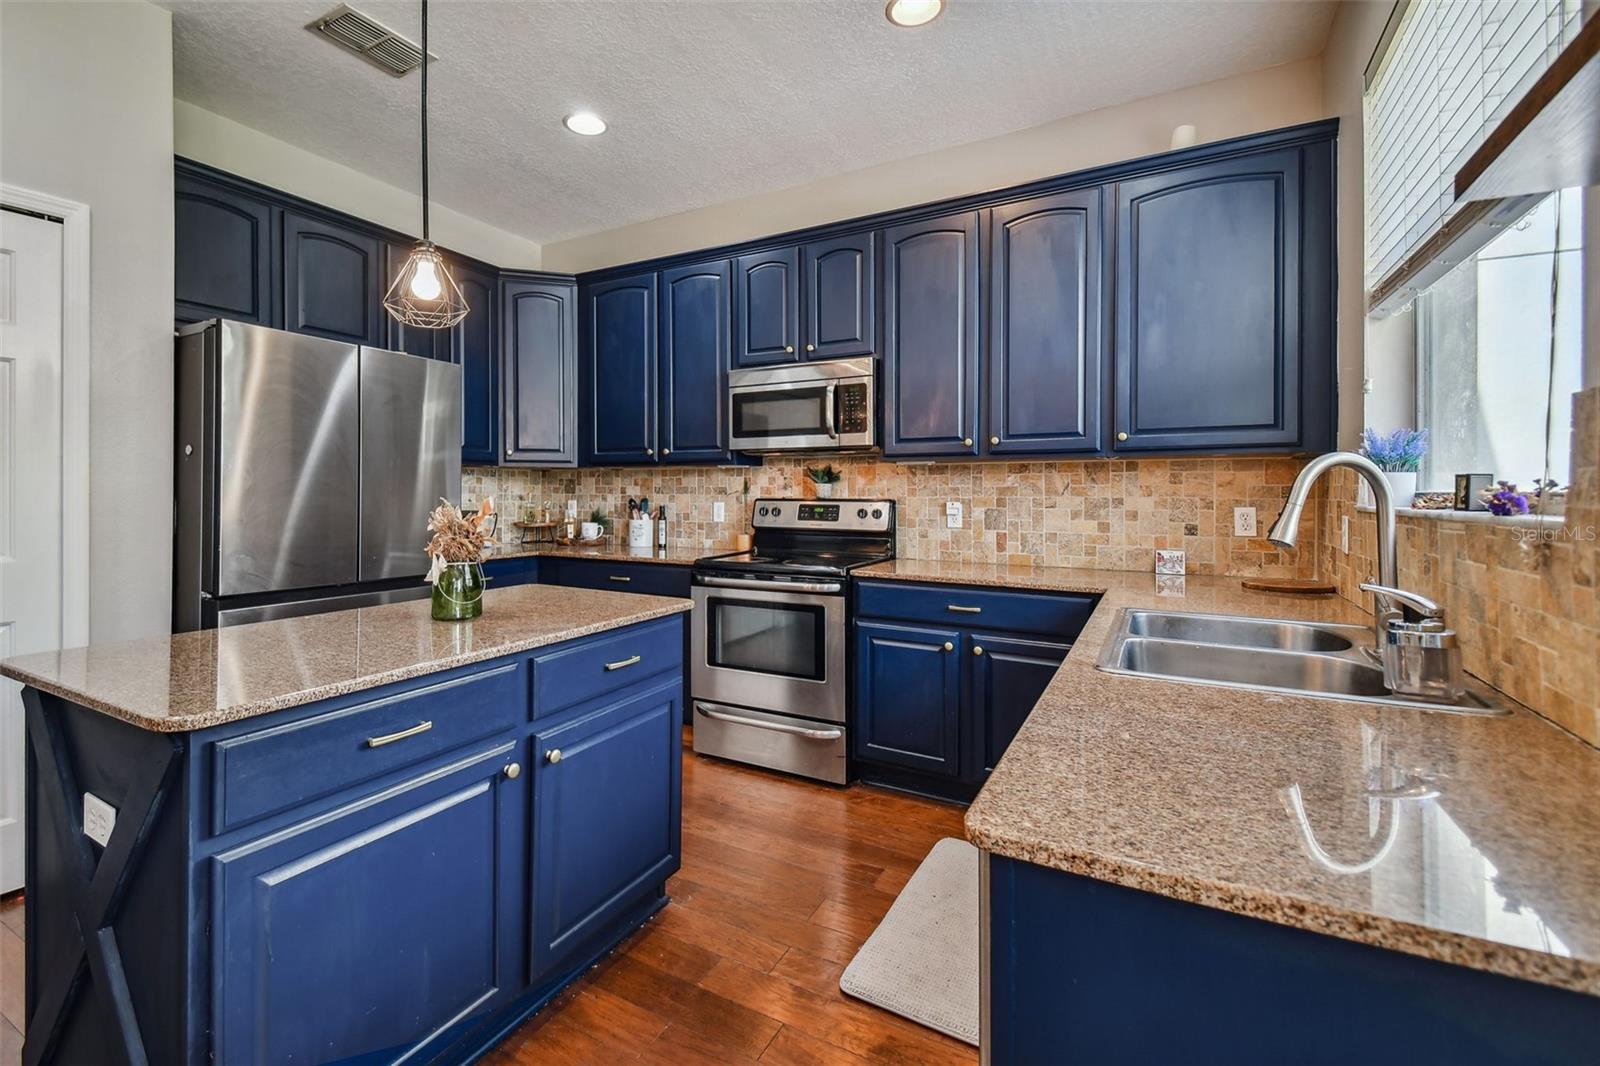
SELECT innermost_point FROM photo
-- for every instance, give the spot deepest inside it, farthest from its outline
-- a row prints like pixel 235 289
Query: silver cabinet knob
pixel 666 451
pixel 788 348
pixel 1122 436
pixel 552 756
pixel 949 646
pixel 977 649
pixel 649 451
pixel 994 440
pixel 508 451
pixel 811 347
pixel 513 770
pixel 967 441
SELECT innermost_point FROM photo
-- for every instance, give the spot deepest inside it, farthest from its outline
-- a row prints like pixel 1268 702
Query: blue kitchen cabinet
pixel 1046 344
pixel 517 570
pixel 838 286
pixel 695 344
pixel 601 834
pixel 1009 674
pixel 332 280
pixel 474 346
pixel 411 899
pixel 618 383
pixel 616 575
pixel 908 697
pixel 1208 348
pixel 766 307
pixel 930 338
pixel 539 373
pixel 225 264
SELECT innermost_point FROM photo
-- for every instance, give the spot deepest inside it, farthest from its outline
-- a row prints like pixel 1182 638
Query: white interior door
pixel 30 487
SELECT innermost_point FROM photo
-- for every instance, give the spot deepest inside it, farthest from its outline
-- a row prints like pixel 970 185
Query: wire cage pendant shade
pixel 423 294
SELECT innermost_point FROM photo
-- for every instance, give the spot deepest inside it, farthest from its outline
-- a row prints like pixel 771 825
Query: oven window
pixel 780 412
pixel 766 638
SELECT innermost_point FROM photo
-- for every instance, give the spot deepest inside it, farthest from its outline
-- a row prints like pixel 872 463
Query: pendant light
pixel 424 294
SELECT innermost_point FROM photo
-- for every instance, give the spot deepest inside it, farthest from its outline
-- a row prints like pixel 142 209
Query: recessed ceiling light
pixel 913 12
pixel 586 123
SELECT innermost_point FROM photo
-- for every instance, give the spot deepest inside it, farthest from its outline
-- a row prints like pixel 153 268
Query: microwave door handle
pixel 830 420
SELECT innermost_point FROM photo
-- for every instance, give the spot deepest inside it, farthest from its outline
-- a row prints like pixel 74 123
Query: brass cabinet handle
pixel 617 577
pixel 967 441
pixel 811 347
pixel 949 646
pixel 629 661
pixel 552 756
pixel 963 610
pixel 390 738
pixel 977 649
pixel 513 770
pixel 1122 436
pixel 994 440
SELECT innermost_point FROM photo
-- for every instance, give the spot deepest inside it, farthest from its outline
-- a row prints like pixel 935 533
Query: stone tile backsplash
pixel 1108 514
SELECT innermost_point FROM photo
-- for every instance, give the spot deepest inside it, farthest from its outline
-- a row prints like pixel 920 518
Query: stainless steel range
pixel 769 668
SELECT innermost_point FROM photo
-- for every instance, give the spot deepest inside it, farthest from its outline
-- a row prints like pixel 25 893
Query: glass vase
pixel 458 593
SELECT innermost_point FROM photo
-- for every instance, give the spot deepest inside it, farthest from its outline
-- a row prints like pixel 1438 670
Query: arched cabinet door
pixel 1208 320
pixel 839 286
pixel 332 281
pixel 930 337
pixel 693 373
pixel 224 253
pixel 539 373
pixel 617 412
pixel 474 345
pixel 766 308
pixel 1046 341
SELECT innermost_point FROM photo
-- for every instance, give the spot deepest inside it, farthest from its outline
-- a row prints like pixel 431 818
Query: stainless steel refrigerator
pixel 305 472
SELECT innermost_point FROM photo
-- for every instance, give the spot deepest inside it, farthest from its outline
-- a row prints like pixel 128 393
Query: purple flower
pixel 1400 451
pixel 1506 500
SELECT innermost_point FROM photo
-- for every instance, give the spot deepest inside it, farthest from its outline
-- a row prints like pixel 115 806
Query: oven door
pixel 775 646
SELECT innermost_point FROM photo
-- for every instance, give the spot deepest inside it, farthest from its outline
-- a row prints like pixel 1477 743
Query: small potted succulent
pixel 1399 455
pixel 823 479
pixel 456 549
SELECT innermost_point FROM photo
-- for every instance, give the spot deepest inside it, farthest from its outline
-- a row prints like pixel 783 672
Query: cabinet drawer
pixel 648 579
pixel 1050 614
pixel 609 662
pixel 271 770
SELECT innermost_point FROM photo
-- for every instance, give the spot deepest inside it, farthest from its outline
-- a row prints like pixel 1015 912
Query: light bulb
pixel 910 13
pixel 425 281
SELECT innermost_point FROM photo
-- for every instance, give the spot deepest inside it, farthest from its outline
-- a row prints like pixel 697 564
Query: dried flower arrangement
pixel 457 538
pixel 1400 452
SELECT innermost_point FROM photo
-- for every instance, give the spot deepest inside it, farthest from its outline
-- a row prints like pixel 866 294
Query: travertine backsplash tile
pixel 1109 514
pixel 1521 594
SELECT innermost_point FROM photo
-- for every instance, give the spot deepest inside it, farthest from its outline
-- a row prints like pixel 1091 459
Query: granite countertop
pixel 1261 803
pixel 608 551
pixel 194 680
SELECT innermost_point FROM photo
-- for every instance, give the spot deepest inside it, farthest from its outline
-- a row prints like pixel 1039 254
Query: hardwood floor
pixel 781 882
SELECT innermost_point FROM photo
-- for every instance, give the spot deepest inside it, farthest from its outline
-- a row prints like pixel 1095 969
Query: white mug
pixel 590 530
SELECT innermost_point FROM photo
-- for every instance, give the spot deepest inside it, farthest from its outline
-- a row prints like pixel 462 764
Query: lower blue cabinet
pixel 376 927
pixel 908 697
pixel 601 834
pixel 1008 677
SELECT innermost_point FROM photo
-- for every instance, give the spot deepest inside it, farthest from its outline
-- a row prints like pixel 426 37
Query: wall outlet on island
pixel 719 512
pixel 99 819
pixel 1244 521
pixel 952 514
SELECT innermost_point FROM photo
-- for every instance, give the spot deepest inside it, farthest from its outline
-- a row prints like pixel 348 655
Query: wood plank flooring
pixel 781 882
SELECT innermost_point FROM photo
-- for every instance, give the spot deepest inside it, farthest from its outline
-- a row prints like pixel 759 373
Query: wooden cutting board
pixel 1298 585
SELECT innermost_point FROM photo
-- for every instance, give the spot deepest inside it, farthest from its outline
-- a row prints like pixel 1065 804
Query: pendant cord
pixel 424 119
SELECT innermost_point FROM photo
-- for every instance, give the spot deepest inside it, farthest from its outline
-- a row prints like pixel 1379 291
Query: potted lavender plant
pixel 1398 454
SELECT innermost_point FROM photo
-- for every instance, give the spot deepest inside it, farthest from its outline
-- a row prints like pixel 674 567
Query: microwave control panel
pixel 854 416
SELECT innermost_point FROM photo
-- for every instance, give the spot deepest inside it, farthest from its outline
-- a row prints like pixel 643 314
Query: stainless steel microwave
pixel 826 406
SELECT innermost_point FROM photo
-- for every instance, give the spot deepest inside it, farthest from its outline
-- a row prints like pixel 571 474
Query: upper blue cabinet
pixel 618 405
pixel 539 372
pixel 474 345
pixel 1211 326
pixel 332 281
pixel 930 337
pixel 838 287
pixel 692 397
pixel 766 308
pixel 225 253
pixel 1046 345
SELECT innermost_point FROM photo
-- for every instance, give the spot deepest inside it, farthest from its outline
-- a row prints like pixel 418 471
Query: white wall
pixel 223 143
pixel 1262 100
pixel 86 114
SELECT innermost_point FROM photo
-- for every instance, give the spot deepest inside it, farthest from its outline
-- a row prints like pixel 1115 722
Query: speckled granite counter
pixel 1262 804
pixel 610 552
pixel 193 680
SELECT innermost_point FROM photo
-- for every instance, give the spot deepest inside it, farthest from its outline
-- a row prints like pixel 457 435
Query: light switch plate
pixel 952 514
pixel 572 508
pixel 1169 561
pixel 719 512
pixel 1244 521
pixel 1344 534
pixel 99 819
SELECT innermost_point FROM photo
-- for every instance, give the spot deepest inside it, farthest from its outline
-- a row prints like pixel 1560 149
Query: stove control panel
pixel 850 516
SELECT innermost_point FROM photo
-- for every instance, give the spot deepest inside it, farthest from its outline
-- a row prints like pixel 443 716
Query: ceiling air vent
pixel 370 39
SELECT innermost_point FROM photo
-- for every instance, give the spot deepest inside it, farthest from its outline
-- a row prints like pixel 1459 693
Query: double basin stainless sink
pixel 1265 654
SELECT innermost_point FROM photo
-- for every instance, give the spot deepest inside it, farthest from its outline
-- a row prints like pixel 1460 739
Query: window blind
pixel 1451 71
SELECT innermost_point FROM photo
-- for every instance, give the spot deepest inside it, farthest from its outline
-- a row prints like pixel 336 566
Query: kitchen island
pixel 358 836
pixel 1185 873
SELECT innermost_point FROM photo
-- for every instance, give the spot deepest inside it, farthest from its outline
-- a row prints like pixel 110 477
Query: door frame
pixel 75 336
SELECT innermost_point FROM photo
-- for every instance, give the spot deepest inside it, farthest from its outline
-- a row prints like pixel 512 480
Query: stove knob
pixel 776 512
pixel 877 512
pixel 861 512
pixel 763 512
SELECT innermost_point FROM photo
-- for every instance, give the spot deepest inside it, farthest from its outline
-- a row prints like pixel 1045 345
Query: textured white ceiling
pixel 708 100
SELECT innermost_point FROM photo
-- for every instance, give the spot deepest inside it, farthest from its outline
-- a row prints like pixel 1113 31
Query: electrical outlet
pixel 719 512
pixel 1244 521
pixel 1344 534
pixel 952 514
pixel 99 819
pixel 572 508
